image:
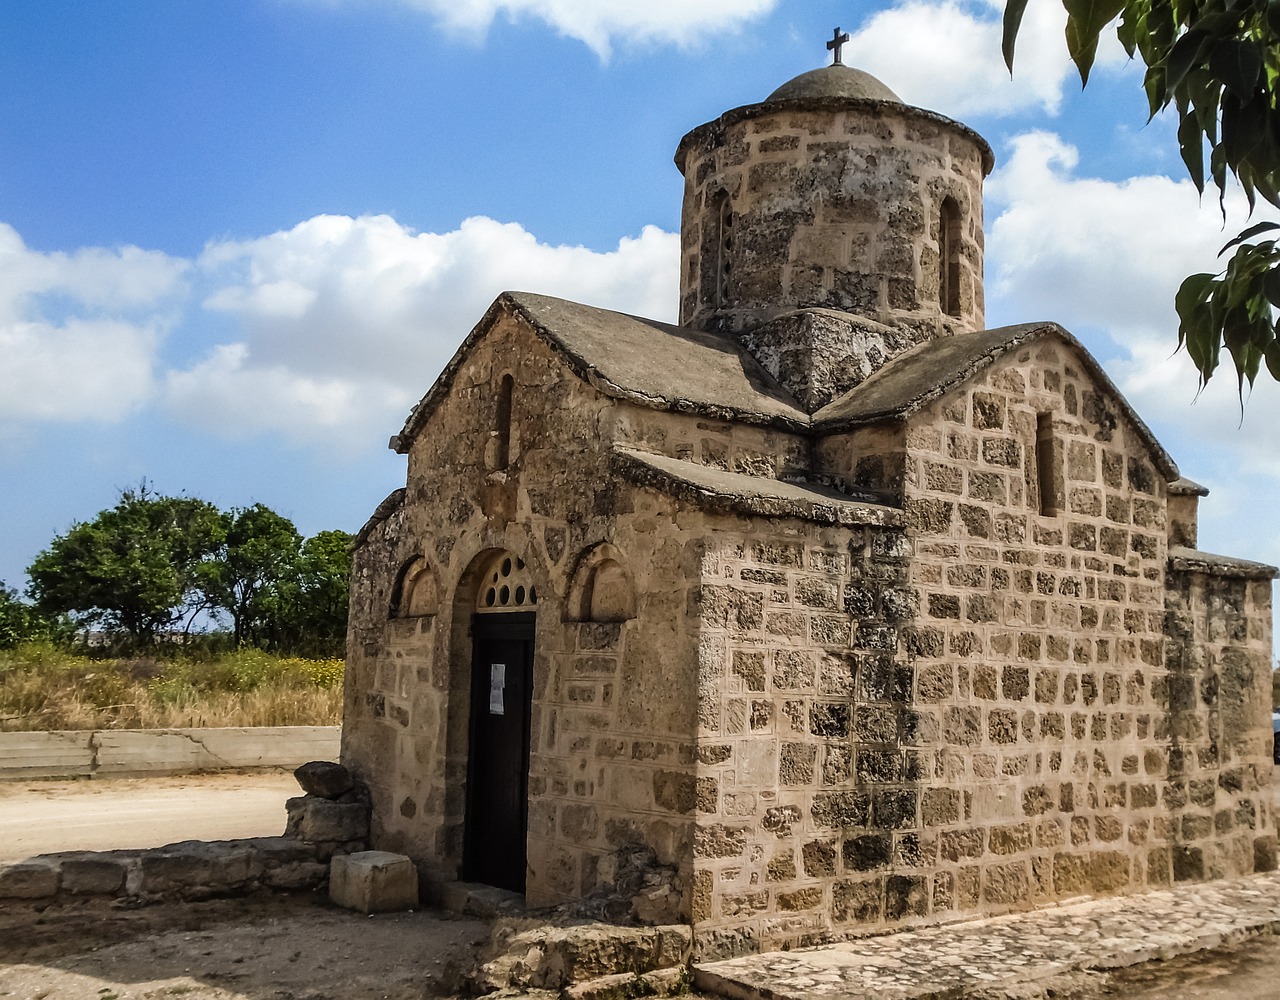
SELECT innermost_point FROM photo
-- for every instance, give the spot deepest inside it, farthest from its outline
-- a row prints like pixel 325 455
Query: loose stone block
pixel 318 820
pixel 28 880
pixel 373 882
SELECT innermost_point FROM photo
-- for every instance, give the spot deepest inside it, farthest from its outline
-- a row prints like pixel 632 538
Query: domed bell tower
pixel 831 227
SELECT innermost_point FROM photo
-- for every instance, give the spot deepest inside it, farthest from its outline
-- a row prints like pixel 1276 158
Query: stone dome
pixel 834 81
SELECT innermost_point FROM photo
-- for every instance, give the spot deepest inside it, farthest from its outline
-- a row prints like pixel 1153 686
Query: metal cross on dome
pixel 837 40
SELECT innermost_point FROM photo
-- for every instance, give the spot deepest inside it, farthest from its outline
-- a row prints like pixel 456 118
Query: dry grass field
pixel 43 687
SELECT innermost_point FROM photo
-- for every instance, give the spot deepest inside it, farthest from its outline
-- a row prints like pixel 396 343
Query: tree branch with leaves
pixel 1217 63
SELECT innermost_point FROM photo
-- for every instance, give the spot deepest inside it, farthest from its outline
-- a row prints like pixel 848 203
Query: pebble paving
pixel 952 961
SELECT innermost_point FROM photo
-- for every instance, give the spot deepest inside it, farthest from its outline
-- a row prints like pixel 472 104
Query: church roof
pixel 720 491
pixel 835 80
pixel 919 376
pixel 685 370
pixel 654 364
pixel 1194 561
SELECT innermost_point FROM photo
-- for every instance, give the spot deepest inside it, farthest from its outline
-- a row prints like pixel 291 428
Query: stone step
pixel 472 899
pixel 962 959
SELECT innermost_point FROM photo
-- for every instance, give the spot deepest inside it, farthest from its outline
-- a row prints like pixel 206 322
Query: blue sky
pixel 239 240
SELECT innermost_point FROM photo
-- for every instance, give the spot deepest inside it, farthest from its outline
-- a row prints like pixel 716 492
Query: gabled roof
pixel 654 364
pixel 917 377
pixel 694 371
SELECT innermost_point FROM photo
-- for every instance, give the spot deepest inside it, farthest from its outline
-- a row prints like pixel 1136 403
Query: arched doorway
pixel 502 630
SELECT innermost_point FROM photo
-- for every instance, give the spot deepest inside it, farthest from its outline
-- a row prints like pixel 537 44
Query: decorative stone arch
pixel 601 589
pixel 505 585
pixel 492 663
pixel 415 593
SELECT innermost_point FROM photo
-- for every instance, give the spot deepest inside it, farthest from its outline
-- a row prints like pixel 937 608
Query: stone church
pixel 852 612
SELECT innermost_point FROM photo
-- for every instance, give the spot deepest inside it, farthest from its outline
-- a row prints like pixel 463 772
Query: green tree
pixel 309 613
pixel 1217 62
pixel 19 621
pixel 259 556
pixel 325 581
pixel 135 568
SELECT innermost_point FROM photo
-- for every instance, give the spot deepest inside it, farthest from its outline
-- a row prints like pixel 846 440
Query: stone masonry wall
pixel 1218 698
pixel 803 701
pixel 976 716
pixel 611 758
pixel 1045 621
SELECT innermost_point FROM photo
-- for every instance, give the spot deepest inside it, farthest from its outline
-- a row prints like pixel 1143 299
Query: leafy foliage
pixel 260 555
pixel 134 568
pixel 19 621
pixel 1217 62
pixel 153 563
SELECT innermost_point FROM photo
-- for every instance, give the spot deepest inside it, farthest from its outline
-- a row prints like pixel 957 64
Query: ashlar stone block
pixel 373 882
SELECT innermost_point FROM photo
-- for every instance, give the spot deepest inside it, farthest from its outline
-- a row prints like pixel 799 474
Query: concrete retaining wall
pixel 162 751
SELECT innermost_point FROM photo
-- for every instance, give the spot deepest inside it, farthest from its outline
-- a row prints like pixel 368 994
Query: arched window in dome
pixel 949 256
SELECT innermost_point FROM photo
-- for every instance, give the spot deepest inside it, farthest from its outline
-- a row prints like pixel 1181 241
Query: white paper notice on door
pixel 497 683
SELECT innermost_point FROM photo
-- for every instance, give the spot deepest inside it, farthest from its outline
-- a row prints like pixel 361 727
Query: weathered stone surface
pixel 89 875
pixel 28 880
pixel 530 955
pixel 324 779
pixel 1007 956
pixel 373 882
pixel 316 820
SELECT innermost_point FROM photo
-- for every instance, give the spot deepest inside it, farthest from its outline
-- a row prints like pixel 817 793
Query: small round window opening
pixel 506 586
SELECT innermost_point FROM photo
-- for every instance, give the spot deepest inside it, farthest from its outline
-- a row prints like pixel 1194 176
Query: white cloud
pixel 344 322
pixel 945 56
pixel 79 331
pixel 1105 253
pixel 600 24
pixel 1106 257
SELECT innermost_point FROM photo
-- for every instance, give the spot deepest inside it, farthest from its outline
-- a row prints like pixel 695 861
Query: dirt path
pixel 296 948
pixel 40 817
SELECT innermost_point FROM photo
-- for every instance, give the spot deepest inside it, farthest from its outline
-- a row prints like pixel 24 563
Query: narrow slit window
pixel 1048 477
pixel 724 250
pixel 949 256
pixel 502 431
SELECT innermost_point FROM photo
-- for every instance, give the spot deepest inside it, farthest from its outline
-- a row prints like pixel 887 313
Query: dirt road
pixel 40 817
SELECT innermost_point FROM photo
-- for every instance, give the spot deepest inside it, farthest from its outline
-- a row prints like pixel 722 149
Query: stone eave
pixel 717 491
pixel 925 373
pixel 830 105
pixel 1185 560
pixel 393 503
pixel 785 414
pixel 1185 487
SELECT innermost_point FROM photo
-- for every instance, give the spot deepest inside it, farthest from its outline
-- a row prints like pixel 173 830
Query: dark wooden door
pixel 498 766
